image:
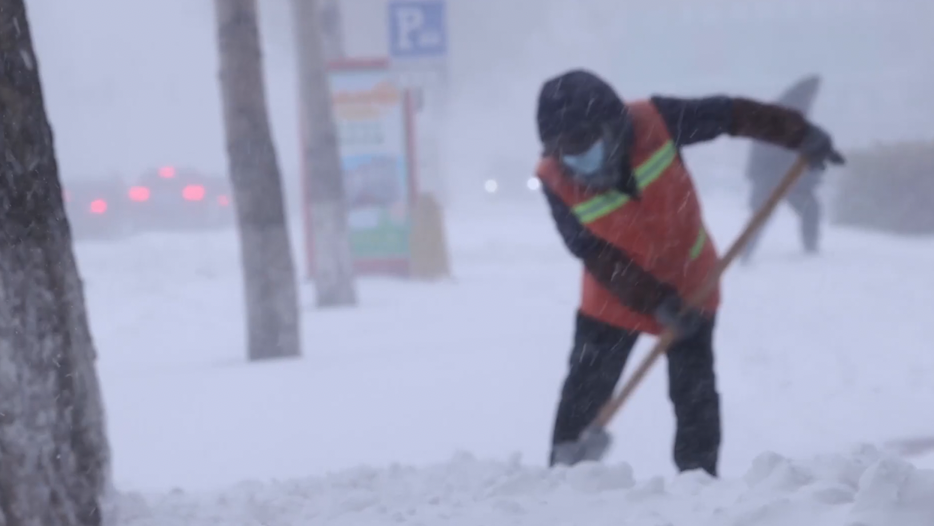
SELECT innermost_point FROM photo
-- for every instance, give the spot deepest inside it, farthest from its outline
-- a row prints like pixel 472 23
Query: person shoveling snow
pixel 625 205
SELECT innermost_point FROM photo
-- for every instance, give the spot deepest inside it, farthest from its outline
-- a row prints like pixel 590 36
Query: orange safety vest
pixel 663 231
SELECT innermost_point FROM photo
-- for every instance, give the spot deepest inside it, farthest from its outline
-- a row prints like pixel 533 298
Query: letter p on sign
pixel 417 29
pixel 409 21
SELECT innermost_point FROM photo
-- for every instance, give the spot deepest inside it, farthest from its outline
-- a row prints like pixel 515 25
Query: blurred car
pixel 178 199
pixel 508 179
pixel 96 207
pixel 512 187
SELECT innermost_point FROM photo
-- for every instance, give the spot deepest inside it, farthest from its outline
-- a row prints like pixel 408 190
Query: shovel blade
pixel 592 446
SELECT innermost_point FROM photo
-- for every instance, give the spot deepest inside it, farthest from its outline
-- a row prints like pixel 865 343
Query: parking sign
pixel 417 29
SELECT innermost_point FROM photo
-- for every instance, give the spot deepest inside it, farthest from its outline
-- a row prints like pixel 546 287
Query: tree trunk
pixel 54 455
pixel 334 276
pixel 268 267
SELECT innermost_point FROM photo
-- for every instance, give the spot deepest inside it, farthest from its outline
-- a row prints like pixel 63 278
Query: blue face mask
pixel 604 164
pixel 589 162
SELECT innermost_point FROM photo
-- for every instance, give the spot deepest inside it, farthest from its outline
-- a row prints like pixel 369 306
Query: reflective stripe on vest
pixel 646 173
pixel 699 244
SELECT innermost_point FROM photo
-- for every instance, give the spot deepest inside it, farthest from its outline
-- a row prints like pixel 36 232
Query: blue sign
pixel 417 29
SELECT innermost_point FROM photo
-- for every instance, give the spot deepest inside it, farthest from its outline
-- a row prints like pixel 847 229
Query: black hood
pixel 577 108
pixel 574 106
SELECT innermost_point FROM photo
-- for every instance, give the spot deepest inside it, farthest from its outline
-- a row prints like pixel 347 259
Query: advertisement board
pixel 374 122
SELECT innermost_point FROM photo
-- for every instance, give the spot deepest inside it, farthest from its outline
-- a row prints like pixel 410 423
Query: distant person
pixel 768 164
pixel 625 205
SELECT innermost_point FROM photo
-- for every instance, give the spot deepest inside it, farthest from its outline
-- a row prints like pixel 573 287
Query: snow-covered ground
pixel 816 359
pixel 858 489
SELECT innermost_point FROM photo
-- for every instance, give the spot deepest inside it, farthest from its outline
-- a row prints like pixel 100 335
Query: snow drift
pixel 864 488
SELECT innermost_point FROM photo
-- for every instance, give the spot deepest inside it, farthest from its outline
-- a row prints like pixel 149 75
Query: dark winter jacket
pixel 768 163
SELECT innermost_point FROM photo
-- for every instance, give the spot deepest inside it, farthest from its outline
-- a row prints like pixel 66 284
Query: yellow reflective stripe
pixel 699 243
pixel 599 206
pixel 649 171
pixel 646 173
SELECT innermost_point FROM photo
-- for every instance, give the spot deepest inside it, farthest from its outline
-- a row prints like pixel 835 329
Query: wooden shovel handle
pixel 667 337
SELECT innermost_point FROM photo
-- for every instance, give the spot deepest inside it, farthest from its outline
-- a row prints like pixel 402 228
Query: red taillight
pixel 98 206
pixel 139 193
pixel 193 192
pixel 223 200
pixel 167 172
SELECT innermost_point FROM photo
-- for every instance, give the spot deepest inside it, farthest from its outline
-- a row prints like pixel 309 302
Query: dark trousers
pixel 597 360
pixel 805 204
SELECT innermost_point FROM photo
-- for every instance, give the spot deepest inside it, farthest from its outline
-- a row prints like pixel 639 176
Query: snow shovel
pixel 595 441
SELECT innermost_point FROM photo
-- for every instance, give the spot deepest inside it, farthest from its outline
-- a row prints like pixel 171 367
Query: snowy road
pixel 815 356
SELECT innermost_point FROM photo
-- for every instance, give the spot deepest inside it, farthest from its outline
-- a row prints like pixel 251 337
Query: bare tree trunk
pixel 268 267
pixel 54 454
pixel 334 276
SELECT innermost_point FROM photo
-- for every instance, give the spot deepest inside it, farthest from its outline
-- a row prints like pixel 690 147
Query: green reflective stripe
pixel 599 206
pixel 646 173
pixel 655 166
pixel 699 243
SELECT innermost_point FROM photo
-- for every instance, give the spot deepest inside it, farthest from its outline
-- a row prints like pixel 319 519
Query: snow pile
pixel 865 488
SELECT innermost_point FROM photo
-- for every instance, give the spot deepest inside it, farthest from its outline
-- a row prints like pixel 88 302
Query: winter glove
pixel 672 314
pixel 817 147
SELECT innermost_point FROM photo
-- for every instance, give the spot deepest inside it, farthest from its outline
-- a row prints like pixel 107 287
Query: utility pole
pixel 332 32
